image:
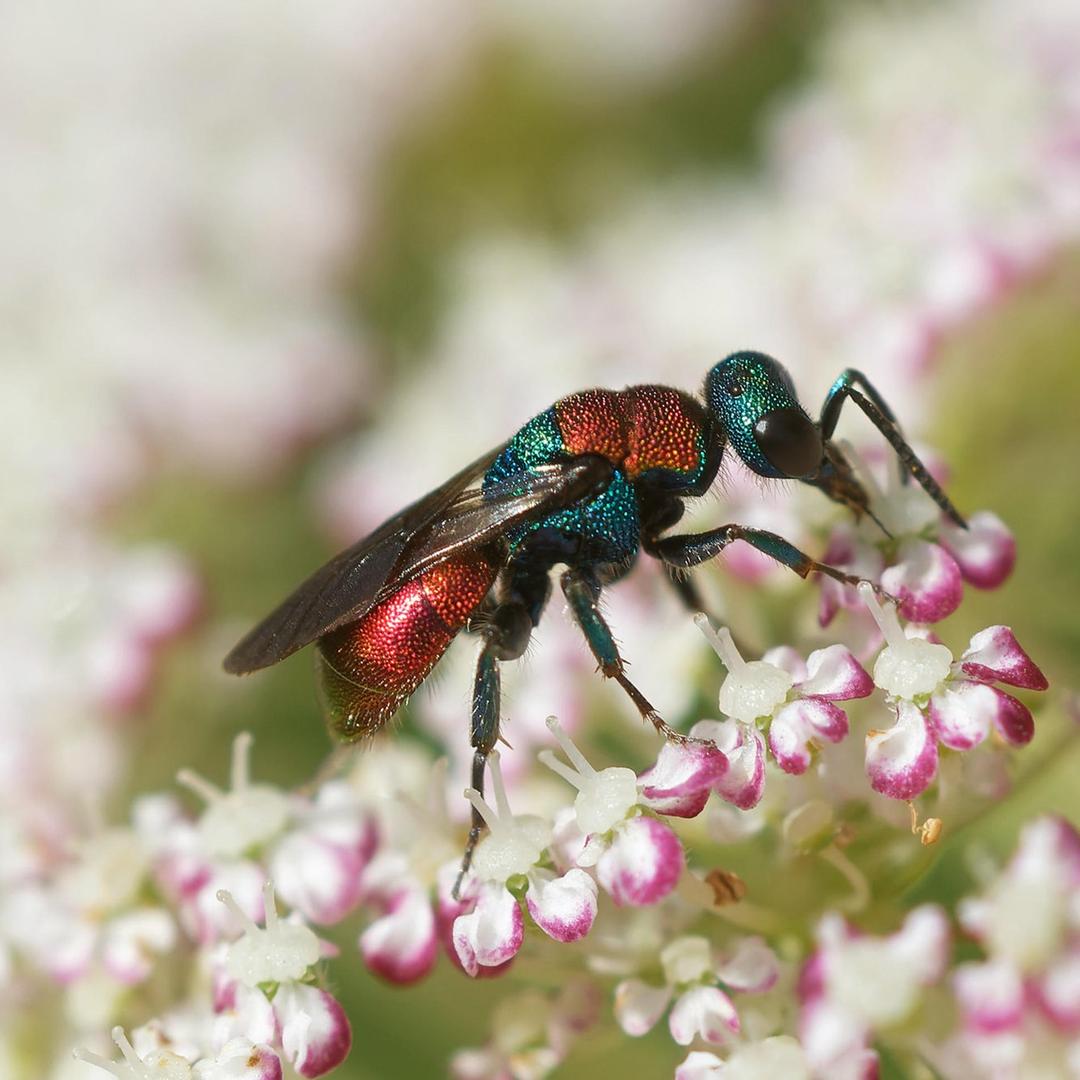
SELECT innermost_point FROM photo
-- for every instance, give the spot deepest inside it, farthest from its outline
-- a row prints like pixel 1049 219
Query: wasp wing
pixel 448 521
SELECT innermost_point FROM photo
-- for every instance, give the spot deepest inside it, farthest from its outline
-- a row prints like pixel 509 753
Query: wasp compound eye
pixel 790 441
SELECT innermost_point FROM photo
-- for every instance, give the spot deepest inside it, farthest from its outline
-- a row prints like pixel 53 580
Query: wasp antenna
pixel 878 522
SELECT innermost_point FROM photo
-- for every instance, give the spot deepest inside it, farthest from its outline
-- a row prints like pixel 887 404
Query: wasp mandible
pixel 587 484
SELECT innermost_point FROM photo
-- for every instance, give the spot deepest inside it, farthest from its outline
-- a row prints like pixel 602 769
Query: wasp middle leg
pixel 657 516
pixel 582 590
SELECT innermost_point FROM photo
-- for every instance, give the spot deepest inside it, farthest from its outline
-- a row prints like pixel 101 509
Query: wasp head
pixel 754 400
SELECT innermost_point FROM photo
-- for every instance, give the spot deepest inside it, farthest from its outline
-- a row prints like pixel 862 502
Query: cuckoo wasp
pixel 587 484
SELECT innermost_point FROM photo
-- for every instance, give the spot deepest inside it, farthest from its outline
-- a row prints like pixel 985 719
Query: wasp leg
pixel 582 591
pixel 686 590
pixel 658 515
pixel 506 636
pixel 692 549
pixel 873 405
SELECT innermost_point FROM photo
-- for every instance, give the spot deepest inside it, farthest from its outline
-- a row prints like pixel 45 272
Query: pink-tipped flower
pixel 270 968
pixel 317 864
pixel 1026 994
pixel 925 559
pixel 793 700
pixel 770 1059
pixel 693 975
pixel 638 858
pixel 856 985
pixel 939 700
pixel 317 850
pixel 238 1059
pixel 93 920
pixel 532 1033
pixel 506 867
pixel 409 881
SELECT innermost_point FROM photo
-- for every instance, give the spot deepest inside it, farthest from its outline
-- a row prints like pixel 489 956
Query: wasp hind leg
pixel 582 591
pixel 506 628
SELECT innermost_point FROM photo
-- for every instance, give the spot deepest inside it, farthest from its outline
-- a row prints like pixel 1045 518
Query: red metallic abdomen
pixel 368 668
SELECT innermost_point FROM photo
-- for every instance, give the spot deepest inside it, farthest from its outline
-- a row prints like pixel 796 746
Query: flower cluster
pixel 914 552
pixel 687 895
pixel 1020 1004
pixel 382 842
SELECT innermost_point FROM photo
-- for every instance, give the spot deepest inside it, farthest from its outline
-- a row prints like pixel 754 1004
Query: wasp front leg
pixel 852 385
pixel 692 549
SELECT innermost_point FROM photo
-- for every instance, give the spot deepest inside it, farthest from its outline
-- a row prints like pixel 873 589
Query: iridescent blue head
pixel 754 399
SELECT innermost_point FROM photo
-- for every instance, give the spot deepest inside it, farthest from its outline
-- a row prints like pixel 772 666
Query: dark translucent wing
pixel 350 580
pixel 478 518
pixel 446 522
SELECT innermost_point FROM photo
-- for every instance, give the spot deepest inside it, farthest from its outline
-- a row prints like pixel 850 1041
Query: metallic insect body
pixel 587 484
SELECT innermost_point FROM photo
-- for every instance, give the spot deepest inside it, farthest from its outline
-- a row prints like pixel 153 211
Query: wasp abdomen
pixel 366 669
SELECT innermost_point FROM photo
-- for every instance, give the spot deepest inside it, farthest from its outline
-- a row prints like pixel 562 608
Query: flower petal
pixel 991 996
pixel 787 659
pixel 797 723
pixel 638 1006
pixel 563 907
pixel 926 581
pixel 994 654
pixel 961 713
pixel 752 967
pixel 491 933
pixel 744 782
pixel 643 863
pixel 315 1032
pixel 919 950
pixel 985 551
pixel 403 944
pixel 704 1012
pixel 680 781
pixel 129 942
pixel 834 673
pixel 240 1059
pixel 777 1058
pixel 902 761
pixel 1013 721
pixel 249 1015
pixel 846 551
pixel 1059 993
pixel 320 879
pixel 700 1065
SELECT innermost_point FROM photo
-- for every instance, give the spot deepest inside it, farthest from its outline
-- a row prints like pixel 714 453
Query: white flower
pixel 315 1035
pixel 691 976
pixel 941 700
pixel 770 1059
pixel 506 866
pixel 856 985
pixel 638 858
pixel 795 701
